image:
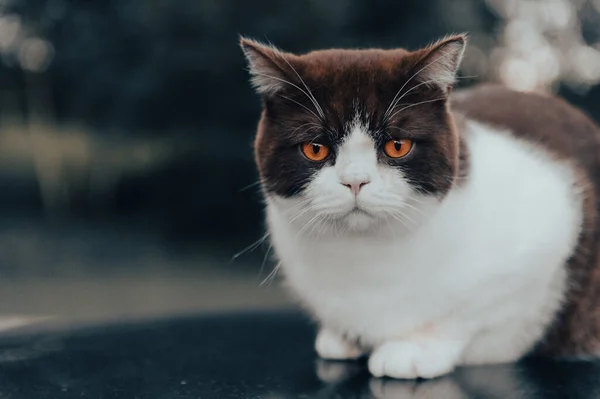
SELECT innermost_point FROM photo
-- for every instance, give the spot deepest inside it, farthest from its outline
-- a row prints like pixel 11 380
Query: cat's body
pixel 476 246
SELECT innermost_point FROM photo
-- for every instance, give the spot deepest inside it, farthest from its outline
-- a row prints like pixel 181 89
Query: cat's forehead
pixel 343 64
pixel 355 85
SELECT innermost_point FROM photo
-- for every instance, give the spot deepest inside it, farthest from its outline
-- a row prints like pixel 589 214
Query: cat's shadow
pixel 351 380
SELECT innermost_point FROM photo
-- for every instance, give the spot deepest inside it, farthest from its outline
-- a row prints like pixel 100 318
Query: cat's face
pixel 356 139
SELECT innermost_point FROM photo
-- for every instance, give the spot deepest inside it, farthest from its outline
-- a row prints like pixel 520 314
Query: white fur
pixel 473 279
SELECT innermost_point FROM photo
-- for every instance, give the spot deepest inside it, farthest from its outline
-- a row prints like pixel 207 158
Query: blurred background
pixel 127 184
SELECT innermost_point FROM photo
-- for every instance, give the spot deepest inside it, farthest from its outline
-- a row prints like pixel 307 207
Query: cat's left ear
pixel 439 62
pixel 268 66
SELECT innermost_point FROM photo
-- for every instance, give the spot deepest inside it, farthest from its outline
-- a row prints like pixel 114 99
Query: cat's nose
pixel 355 187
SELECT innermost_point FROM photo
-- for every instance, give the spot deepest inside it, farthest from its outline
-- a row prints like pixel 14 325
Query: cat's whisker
pixel 412 207
pixel 407 218
pixel 301 213
pixel 401 203
pixel 269 279
pixel 467 77
pixel 296 210
pixel 416 200
pixel 400 206
pixel 400 218
pixel 310 222
pixel 415 104
pixel 410 224
pixel 301 203
pixel 300 104
pixel 331 221
pixel 397 128
pixel 395 104
pixel 264 262
pixel 439 59
pixel 249 186
pixel 315 126
pixel 318 225
pixel 310 94
pixel 316 138
pixel 309 232
pixel 319 110
pixel 323 224
pixel 251 247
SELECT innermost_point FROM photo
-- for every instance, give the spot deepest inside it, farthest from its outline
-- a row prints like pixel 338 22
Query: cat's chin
pixel 359 220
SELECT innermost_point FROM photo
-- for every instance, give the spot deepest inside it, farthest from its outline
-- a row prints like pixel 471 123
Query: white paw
pixel 409 360
pixel 330 345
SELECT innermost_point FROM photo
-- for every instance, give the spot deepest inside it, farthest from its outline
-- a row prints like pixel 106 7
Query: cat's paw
pixel 409 360
pixel 332 346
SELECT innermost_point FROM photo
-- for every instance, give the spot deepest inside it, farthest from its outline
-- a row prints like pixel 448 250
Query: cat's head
pixel 356 139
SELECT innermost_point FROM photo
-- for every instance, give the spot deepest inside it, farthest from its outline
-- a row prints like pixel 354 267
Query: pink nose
pixel 356 187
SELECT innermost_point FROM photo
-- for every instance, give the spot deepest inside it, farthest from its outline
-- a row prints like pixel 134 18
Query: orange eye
pixel 397 148
pixel 315 152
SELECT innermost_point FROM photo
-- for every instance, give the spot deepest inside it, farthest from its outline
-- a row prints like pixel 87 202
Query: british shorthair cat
pixel 421 227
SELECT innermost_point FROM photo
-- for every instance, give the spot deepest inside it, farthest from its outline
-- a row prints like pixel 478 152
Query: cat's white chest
pixel 380 290
pixel 375 291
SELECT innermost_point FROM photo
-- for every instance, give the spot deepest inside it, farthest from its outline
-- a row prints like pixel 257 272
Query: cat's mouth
pixel 358 219
pixel 358 211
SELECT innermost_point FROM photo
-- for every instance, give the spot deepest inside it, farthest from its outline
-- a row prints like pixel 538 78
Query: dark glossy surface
pixel 259 355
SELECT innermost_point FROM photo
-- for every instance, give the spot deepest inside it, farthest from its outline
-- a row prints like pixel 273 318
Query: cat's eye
pixel 397 148
pixel 315 152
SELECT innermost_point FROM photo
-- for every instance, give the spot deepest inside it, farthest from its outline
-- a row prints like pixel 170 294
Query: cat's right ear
pixel 266 65
pixel 440 61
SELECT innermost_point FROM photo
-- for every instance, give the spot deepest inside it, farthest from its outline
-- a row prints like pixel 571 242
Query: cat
pixel 423 227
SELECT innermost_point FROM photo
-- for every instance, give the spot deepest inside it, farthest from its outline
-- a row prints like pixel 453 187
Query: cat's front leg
pixel 416 358
pixel 332 346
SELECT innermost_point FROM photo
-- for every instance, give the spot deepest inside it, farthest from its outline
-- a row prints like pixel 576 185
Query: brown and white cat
pixel 422 228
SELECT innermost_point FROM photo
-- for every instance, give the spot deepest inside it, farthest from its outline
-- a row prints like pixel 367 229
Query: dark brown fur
pixel 570 136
